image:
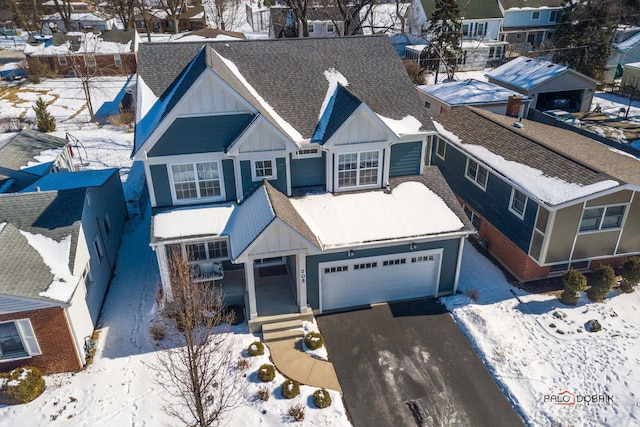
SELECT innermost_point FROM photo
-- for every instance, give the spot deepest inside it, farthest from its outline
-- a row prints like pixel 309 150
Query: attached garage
pixel 362 281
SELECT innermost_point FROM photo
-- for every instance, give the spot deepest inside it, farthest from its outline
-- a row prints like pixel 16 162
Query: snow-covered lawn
pixel 533 362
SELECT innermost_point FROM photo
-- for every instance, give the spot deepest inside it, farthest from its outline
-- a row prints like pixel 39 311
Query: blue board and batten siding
pixel 447 270
pixel 405 159
pixel 308 172
pixel 248 184
pixel 492 204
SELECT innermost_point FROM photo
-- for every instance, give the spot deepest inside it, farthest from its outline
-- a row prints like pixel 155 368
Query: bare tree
pixel 299 10
pixel 197 366
pixel 224 14
pixel 64 9
pixel 353 13
pixel 146 16
pixel 27 15
pixel 173 8
pixel 125 10
pixel 387 19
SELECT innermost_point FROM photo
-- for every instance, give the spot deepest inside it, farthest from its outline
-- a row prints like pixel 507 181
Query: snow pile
pixel 46 156
pixel 334 77
pixel 540 348
pixel 146 98
pixel 320 353
pixel 56 256
pixel 406 125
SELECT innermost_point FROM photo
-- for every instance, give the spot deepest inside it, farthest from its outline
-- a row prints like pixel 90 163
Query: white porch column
pixel 301 268
pixel 163 266
pixel 251 289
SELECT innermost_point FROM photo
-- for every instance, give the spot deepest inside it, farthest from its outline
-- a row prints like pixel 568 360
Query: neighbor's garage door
pixel 362 281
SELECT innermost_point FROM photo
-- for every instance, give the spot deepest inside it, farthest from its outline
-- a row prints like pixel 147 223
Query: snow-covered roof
pixel 250 218
pixel 635 65
pixel 191 221
pixel 628 43
pixel 87 43
pixel 411 210
pixel 469 92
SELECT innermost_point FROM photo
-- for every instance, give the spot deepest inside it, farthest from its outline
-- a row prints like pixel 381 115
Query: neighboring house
pixel 481 19
pixel 440 98
pixel 476 54
pixel 631 76
pixel 528 23
pixel 192 18
pixel 323 21
pixel 58 244
pixel 89 20
pixel 544 199
pixel 307 167
pixel 549 85
pixel 106 53
pixel 207 35
pixel 27 156
pixel 623 52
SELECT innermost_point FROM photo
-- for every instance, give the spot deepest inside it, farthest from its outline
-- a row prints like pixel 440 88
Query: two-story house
pixel 292 172
pixel 544 199
pixel 528 23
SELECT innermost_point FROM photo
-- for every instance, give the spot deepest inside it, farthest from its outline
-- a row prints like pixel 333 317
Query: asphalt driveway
pixel 408 364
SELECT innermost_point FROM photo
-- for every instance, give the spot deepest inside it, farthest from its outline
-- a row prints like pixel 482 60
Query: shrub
pixel 46 122
pixel 266 373
pixel 630 273
pixel 297 412
pixel 122 119
pixel 472 294
pixel 568 297
pixel 602 281
pixel 256 349
pixel 321 398
pixel 574 281
pixel 23 384
pixel 263 394
pixel 313 340
pixel 242 364
pixel 157 330
pixel 290 389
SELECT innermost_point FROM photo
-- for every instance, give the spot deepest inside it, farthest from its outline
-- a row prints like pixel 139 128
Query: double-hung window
pixel 441 148
pixel 358 169
pixel 518 203
pixel 263 169
pixel 477 173
pixel 117 61
pixel 209 250
pixel 196 180
pixel 17 340
pixel 602 218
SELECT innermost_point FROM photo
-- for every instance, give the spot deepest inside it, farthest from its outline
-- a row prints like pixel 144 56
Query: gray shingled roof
pixel 289 73
pixel 539 146
pixel 287 213
pixel 55 214
pixel 469 9
pixel 432 179
pixel 24 146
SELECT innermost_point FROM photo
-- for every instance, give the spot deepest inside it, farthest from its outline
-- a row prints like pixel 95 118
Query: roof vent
pixel 518 125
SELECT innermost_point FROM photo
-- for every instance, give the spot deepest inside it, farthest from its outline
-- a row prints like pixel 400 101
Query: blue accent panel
pixel 229 180
pixel 405 159
pixel 308 172
pixel 161 185
pixel 248 185
pixel 341 105
pixel 447 272
pixel 492 204
pixel 207 134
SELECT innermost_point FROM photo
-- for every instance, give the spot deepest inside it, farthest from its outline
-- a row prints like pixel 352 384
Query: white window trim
pixel 316 153
pixel 117 60
pixel 97 244
pixel 444 154
pixel 604 211
pixel 274 170
pixel 174 197
pixel 27 338
pixel 62 60
pixel 475 180
pixel 511 199
pixel 90 63
pixel 357 187
pixel 206 243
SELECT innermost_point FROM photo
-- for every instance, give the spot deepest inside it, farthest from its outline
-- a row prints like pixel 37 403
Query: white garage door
pixel 364 281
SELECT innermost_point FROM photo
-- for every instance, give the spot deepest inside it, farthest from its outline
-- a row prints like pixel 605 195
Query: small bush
pixel 568 297
pixel 313 340
pixel 242 364
pixel 630 272
pixel 602 280
pixel 574 281
pixel 45 121
pixel 297 412
pixel 263 394
pixel 472 294
pixel 122 119
pixel 266 373
pixel 23 385
pixel 290 389
pixel 321 398
pixel 157 330
pixel 256 349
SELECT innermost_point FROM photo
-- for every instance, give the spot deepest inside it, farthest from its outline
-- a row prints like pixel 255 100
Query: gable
pixel 277 237
pixel 360 127
pixel 210 96
pixel 261 137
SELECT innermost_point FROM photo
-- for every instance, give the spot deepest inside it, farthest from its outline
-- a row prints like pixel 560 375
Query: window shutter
pixel 28 337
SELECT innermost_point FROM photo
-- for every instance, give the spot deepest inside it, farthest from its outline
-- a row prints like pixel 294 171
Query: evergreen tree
pixel 45 122
pixel 584 34
pixel 445 28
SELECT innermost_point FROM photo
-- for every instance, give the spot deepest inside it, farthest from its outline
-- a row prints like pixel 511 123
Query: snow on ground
pixel 521 344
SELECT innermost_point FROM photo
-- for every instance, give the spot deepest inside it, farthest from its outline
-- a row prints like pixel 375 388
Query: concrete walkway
pixel 285 343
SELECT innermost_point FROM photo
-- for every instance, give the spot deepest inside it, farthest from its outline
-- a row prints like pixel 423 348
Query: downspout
pixel 458 265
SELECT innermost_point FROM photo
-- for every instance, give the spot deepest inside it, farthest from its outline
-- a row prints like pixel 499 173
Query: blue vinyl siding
pixel 229 180
pixel 447 272
pixel 405 159
pixel 492 204
pixel 308 172
pixel 161 185
pixel 207 134
pixel 249 185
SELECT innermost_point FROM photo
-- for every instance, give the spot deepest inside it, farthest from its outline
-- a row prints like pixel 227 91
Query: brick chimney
pixel 513 105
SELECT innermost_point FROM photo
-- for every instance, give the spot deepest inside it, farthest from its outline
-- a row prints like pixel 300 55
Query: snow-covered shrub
pixel 313 340
pixel 297 412
pixel 256 349
pixel 321 398
pixel 602 281
pixel 23 385
pixel 573 282
pixel 263 394
pixel 157 330
pixel 266 373
pixel 630 272
pixel 290 389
